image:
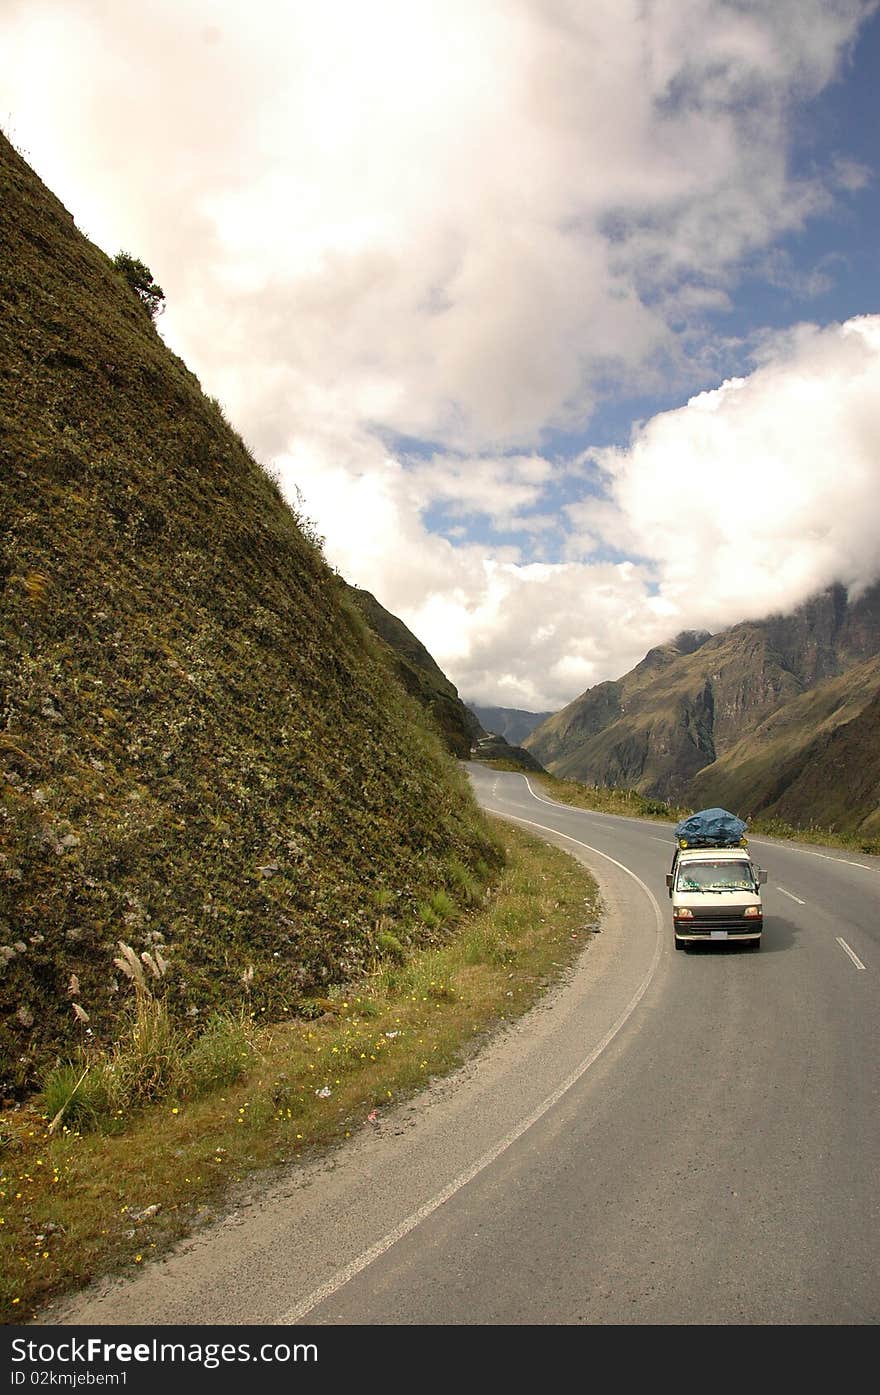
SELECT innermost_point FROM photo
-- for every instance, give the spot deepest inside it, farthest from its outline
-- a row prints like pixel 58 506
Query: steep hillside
pixel 680 718
pixel 633 731
pixel 838 784
pixel 816 759
pixel 422 677
pixel 203 747
pixel 510 722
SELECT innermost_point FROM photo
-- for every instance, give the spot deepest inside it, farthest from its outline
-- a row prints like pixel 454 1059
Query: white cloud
pixel 748 499
pixel 501 488
pixel 850 174
pixel 434 218
pixel 467 223
pixel 764 490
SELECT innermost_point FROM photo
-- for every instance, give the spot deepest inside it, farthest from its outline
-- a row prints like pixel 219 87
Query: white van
pixel 716 895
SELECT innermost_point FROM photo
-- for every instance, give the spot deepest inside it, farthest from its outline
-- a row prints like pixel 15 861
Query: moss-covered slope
pixel 202 744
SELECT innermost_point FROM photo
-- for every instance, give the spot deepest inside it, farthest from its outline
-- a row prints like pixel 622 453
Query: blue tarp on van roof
pixel 715 828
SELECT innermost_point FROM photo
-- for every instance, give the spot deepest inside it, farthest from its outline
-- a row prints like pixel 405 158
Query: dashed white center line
pixel 792 895
pixel 854 957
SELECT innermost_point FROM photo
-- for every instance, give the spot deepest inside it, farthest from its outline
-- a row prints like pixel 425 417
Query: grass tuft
pixel 219 1056
pixel 77 1094
pixel 389 946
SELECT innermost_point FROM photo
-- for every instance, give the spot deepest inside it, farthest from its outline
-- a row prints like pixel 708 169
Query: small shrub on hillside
pixel 142 1067
pixel 146 1064
pixel 429 917
pixel 140 278
pixel 443 906
pixel 437 911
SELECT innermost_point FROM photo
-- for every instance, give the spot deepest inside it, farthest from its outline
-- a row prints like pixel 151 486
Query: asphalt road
pixel 669 1138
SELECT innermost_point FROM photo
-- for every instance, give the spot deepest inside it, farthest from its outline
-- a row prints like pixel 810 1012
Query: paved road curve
pixel 669 1138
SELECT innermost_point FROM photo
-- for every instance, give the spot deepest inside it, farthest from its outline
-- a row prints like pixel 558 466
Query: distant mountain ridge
pixel 512 723
pixel 743 718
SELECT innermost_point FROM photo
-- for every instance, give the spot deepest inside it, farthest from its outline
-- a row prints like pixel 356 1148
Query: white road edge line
pixel 350 1271
pixel 575 808
pixel 808 852
pixel 792 895
pixel 853 956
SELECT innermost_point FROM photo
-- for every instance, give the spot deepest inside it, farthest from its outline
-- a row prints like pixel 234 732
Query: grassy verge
pixel 813 833
pixel 609 799
pixel 614 800
pixel 78 1202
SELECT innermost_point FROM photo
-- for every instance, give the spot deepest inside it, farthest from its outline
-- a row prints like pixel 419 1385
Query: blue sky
pixel 490 287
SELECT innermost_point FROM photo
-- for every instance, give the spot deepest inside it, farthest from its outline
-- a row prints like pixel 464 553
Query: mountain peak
pixel 689 641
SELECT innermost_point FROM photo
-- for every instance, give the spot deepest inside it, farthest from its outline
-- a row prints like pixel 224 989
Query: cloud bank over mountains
pixel 405 243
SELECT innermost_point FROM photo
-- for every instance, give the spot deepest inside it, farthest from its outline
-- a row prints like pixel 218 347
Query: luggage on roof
pixel 710 828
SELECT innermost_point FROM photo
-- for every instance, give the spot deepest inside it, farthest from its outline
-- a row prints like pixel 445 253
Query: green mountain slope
pixel 838 784
pixel 816 759
pixel 203 746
